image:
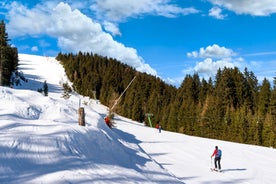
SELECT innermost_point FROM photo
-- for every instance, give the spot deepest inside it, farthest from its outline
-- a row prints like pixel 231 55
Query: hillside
pixel 232 106
pixel 41 142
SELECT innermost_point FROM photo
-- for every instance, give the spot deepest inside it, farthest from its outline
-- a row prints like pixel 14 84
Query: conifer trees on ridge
pixel 233 107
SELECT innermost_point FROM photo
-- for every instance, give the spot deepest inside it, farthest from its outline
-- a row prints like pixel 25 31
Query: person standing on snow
pixel 217 154
pixel 158 127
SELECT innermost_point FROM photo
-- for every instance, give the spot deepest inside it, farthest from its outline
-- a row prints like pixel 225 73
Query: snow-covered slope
pixel 41 142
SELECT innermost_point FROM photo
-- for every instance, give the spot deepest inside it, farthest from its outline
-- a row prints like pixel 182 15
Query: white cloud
pixel 193 54
pixel 23 21
pixel 112 28
pixel 262 53
pixel 117 11
pixel 214 51
pixel 215 57
pixel 251 7
pixel 216 12
pixel 34 48
pixel 73 30
pixel 210 67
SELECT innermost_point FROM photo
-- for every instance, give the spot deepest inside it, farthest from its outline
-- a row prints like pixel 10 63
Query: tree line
pixel 233 106
pixel 8 57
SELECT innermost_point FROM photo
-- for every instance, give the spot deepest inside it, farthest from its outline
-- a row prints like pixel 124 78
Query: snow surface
pixel 41 142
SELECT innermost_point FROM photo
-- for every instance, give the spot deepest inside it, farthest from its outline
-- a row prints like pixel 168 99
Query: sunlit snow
pixel 41 142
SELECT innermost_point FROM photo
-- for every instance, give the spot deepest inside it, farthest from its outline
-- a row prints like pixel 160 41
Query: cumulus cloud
pixel 215 57
pixel 214 51
pixel 73 30
pixel 23 21
pixel 216 12
pixel 112 28
pixel 119 11
pixel 210 67
pixel 251 7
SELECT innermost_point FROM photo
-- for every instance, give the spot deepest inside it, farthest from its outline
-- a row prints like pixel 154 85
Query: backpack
pixel 218 153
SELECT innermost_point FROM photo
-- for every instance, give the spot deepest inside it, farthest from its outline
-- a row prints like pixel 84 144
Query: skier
pixel 159 128
pixel 217 154
pixel 107 121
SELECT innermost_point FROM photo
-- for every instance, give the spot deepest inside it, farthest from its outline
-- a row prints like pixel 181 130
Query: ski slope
pixel 41 142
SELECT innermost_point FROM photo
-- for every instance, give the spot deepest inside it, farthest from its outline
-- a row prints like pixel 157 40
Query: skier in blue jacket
pixel 217 154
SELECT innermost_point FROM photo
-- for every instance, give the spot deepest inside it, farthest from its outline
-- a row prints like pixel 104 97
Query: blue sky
pixel 166 38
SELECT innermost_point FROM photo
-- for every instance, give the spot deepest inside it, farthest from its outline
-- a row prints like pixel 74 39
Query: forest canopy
pixel 233 106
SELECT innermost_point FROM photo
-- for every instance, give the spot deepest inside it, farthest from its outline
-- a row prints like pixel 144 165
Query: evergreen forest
pixel 234 106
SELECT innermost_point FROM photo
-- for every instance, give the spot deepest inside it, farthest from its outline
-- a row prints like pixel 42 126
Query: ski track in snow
pixel 41 142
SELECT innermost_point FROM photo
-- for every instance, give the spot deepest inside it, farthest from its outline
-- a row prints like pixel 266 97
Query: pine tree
pixel 271 119
pixel 8 57
pixel 3 46
pixel 264 98
pixel 250 91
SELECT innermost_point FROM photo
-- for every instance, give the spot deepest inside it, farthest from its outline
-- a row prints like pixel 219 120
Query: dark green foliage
pixel 67 90
pixel 233 107
pixel 264 98
pixel 8 57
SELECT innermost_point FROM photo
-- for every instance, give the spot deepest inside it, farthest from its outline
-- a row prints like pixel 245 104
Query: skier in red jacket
pixel 107 121
pixel 217 154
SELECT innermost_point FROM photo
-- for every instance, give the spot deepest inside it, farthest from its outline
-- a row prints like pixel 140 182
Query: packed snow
pixel 41 142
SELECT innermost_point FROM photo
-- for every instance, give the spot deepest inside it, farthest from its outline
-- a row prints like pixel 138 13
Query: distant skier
pixel 158 127
pixel 217 154
pixel 108 122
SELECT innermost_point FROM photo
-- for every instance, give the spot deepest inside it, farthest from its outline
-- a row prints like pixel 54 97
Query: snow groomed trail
pixel 41 142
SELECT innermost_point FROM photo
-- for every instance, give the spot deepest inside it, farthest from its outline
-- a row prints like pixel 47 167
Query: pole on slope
pixel 116 101
pixel 81 119
pixel 149 115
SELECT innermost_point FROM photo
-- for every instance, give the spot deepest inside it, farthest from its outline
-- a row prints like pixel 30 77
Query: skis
pixel 215 170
